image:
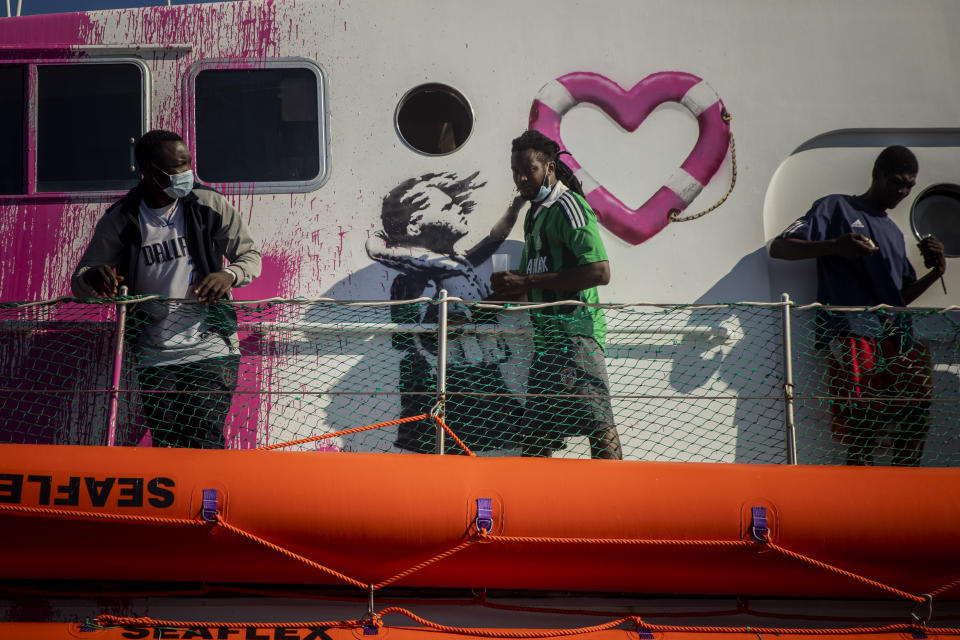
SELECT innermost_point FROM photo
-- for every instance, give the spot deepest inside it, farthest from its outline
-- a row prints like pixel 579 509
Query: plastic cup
pixel 500 262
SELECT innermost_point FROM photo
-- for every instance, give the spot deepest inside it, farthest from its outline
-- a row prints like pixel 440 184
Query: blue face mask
pixel 545 190
pixel 180 183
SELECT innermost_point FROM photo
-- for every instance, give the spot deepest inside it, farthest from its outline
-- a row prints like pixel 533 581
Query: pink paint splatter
pixel 279 278
pixel 42 237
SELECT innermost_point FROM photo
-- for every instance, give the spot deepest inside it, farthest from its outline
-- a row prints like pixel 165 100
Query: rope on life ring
pixel 675 213
pixel 629 108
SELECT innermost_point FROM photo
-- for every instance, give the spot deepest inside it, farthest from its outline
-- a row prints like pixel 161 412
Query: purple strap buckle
pixel 209 511
pixel 484 514
pixel 369 630
pixel 758 525
pixel 644 634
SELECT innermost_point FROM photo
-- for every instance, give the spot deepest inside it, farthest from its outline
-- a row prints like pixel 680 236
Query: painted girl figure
pixel 423 220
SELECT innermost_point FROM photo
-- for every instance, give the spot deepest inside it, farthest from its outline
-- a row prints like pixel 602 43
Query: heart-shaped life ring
pixel 629 109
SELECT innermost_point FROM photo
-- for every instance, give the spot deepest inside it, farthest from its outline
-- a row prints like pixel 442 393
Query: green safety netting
pixel 877 387
pixel 671 382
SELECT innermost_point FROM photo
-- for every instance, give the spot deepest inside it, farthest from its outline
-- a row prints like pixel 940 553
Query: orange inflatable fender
pixel 375 520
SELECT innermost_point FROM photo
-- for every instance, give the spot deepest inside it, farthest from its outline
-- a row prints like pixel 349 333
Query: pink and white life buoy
pixel 629 109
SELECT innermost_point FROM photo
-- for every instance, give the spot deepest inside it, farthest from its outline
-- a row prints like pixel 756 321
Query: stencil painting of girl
pixel 423 220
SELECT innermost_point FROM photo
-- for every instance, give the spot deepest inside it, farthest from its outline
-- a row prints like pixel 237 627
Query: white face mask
pixel 180 183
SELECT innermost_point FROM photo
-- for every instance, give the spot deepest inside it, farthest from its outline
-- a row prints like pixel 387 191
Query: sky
pixel 32 7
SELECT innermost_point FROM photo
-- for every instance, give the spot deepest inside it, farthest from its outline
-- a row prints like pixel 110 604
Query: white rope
pixel 480 304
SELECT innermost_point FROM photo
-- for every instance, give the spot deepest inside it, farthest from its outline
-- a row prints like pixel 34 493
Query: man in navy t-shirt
pixel 861 261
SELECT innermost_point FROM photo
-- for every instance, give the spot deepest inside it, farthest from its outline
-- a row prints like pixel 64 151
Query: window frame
pixel 937 188
pixel 259 64
pixel 31 124
pixel 24 125
pixel 423 85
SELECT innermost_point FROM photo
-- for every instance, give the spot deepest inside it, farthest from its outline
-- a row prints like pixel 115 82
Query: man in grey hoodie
pixel 179 240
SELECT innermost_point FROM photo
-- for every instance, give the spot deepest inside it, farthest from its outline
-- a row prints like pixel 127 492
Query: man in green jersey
pixel 563 259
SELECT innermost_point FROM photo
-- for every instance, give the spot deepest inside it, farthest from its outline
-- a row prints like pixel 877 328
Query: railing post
pixel 790 432
pixel 441 408
pixel 117 366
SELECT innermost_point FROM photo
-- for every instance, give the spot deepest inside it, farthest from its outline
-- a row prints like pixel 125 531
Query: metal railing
pixel 688 382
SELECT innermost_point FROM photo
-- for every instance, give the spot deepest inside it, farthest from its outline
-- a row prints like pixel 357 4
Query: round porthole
pixel 936 212
pixel 434 119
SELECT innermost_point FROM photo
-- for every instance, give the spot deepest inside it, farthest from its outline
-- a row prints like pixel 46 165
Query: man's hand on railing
pixel 215 286
pixel 103 279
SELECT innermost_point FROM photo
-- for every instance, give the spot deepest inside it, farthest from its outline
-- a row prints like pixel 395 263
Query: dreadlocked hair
pixel 547 150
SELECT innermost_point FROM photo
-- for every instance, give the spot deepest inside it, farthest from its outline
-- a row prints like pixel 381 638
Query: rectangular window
pixel 261 125
pixel 88 118
pixel 12 120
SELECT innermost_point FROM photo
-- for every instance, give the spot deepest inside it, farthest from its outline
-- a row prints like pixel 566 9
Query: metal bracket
pixel 924 617
pixel 758 524
pixel 369 628
pixel 484 519
pixel 209 510
pixel 89 626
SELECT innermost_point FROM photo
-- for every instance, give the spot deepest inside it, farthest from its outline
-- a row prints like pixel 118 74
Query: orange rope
pixel 105 620
pixel 41 511
pixel 502 633
pixel 481 599
pixel 450 432
pixel 337 574
pixel 389 423
pixel 848 574
pixel 889 628
pixel 110 620
pixel 627 541
pixel 944 588
pixel 290 554
pixel 426 563
pixel 377 621
pixel 481 536
pixel 244 534
pixel 719 543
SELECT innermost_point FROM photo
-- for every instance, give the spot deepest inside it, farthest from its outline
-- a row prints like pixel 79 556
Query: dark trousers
pixel 885 389
pixel 187 404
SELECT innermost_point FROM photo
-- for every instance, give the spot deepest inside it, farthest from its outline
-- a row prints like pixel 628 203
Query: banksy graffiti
pixel 423 220
pixel 629 108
